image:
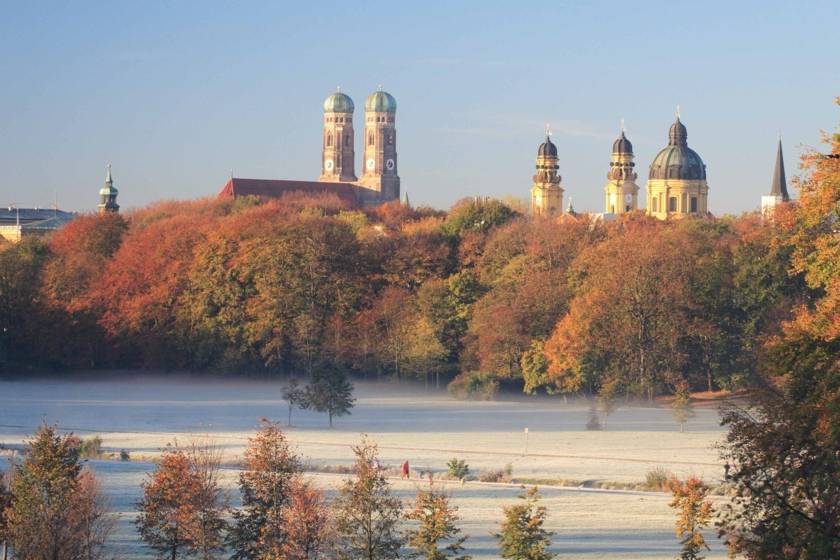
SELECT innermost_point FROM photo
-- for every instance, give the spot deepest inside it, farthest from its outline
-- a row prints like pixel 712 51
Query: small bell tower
pixel 338 161
pixel 546 193
pixel 622 192
pixel 380 161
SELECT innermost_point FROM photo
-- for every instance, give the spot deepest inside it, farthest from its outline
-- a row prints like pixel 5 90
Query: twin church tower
pixel 379 180
pixel 676 182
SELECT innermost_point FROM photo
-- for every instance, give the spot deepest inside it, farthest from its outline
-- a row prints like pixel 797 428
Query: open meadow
pixel 142 414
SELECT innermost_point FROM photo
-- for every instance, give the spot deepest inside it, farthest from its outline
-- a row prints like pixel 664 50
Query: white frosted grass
pixel 141 415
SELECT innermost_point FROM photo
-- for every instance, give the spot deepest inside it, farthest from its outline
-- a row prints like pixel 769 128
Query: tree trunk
pixel 329 412
pixel 5 550
pixel 290 415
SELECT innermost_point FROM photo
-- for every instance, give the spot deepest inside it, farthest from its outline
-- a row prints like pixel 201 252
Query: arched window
pixel 672 204
pixel 694 204
pixel 370 139
pixel 346 139
pixel 329 139
pixel 655 205
pixel 390 139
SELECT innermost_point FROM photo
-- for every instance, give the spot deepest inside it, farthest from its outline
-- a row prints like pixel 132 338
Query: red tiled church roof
pixel 276 188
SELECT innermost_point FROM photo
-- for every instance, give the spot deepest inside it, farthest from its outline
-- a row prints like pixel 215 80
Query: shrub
pixel 474 385
pixel 657 479
pixel 458 468
pixel 508 470
pixel 495 475
pixel 90 448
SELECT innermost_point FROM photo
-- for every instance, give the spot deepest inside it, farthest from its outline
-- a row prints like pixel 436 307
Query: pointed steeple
pixel 108 195
pixel 779 185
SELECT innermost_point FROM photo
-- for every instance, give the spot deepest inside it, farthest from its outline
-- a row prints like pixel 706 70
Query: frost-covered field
pixel 426 428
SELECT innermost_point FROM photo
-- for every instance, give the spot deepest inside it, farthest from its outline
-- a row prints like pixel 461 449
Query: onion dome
pixel 622 145
pixel 338 103
pixel 677 160
pixel 547 148
pixel 381 102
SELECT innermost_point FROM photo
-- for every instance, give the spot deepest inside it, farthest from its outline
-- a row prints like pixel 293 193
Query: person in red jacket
pixel 406 473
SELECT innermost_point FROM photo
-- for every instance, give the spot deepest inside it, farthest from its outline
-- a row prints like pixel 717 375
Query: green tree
pixel 295 395
pixel 269 473
pixel 694 513
pixel 437 537
pixel 534 367
pixel 367 514
pixel 330 391
pixel 681 407
pixel 522 536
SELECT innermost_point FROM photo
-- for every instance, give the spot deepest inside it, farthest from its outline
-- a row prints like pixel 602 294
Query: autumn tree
pixel 5 504
pixel 694 513
pixel 522 536
pixel 367 514
pixel 330 391
pixel 782 455
pixel 269 473
pixel 167 517
pixel 437 536
pixel 309 533
pixel 57 509
pixel 625 323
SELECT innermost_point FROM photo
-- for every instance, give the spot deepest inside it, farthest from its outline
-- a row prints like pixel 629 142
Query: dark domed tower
pixel 622 192
pixel 108 195
pixel 677 182
pixel 546 193
pixel 380 162
pixel 338 161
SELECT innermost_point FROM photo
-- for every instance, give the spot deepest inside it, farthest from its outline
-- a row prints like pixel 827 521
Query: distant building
pixel 546 193
pixel 677 184
pixel 621 191
pixel 108 195
pixel 17 223
pixel 379 182
pixel 778 187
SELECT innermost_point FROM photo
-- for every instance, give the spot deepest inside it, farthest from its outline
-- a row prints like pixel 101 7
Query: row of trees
pixel 52 508
pixel 480 292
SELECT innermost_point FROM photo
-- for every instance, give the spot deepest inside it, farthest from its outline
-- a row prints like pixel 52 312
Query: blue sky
pixel 176 94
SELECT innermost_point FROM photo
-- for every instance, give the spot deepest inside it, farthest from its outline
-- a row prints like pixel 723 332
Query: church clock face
pixel 389 164
pixel 371 163
pixel 628 198
pixel 328 165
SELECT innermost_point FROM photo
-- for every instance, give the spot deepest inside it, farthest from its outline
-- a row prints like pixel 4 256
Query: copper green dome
pixel 338 103
pixel 677 160
pixel 381 102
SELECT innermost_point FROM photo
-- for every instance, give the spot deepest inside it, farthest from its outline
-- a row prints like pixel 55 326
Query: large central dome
pixel 381 102
pixel 677 160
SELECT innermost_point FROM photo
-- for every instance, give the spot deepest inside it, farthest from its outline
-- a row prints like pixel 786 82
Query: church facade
pixel 379 181
pixel 676 184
